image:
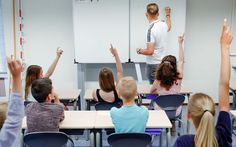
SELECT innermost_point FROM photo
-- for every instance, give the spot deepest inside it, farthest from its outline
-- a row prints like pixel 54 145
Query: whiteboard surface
pixel 99 23
pixel 96 25
pixel 139 24
pixel 3 64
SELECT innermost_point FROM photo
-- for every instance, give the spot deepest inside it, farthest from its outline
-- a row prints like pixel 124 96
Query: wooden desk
pixel 233 85
pixel 142 89
pixel 233 112
pixel 69 96
pixel 157 119
pixel 146 88
pixel 97 120
pixel 75 122
pixel 68 93
pixel 89 98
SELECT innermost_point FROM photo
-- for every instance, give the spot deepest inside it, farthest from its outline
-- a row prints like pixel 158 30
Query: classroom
pixel 119 73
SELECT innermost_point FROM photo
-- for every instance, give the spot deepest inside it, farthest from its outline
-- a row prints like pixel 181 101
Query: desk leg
pixel 87 104
pixel 188 125
pixel 139 99
pixel 22 138
pixel 168 138
pixel 92 139
pixel 79 103
pixel 234 97
pixel 99 138
pixel 161 135
pixel 75 105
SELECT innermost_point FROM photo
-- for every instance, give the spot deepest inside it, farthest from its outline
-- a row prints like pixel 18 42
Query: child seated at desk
pixel 108 92
pixel 35 72
pixel 130 117
pixel 169 76
pixel 201 108
pixel 15 113
pixel 44 115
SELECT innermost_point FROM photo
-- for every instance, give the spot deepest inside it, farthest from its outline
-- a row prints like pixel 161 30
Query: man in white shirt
pixel 156 39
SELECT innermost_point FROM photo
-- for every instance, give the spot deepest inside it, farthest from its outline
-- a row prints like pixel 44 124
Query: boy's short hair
pixel 3 111
pixel 41 88
pixel 127 88
pixel 152 9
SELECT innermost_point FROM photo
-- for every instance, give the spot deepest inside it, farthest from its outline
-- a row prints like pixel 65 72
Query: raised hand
pixel 181 39
pixel 168 11
pixel 226 36
pixel 15 67
pixel 59 52
pixel 113 51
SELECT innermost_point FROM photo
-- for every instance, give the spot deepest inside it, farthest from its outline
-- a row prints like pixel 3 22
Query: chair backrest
pixel 169 103
pixel 149 96
pixel 106 106
pixel 47 139
pixel 129 139
pixel 27 102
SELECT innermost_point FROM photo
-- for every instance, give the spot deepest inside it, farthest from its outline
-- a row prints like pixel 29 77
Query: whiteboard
pixel 96 25
pixel 3 64
pixel 139 24
pixel 122 23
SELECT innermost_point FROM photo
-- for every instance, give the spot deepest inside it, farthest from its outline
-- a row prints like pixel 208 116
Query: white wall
pixel 48 24
pixel 203 28
pixel 8 31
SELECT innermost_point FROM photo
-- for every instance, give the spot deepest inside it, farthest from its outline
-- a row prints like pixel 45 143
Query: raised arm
pixel 168 19
pixel 12 125
pixel 181 56
pixel 119 67
pixel 54 63
pixel 15 68
pixel 225 42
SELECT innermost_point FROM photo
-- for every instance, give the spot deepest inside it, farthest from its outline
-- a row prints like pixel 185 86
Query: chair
pixel 27 102
pixel 129 139
pixel 107 106
pixel 47 139
pixel 170 103
pixel 233 93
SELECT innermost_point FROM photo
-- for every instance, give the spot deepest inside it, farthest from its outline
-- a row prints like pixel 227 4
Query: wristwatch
pixel 139 51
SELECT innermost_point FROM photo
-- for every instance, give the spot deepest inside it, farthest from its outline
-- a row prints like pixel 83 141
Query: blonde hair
pixel 127 88
pixel 202 110
pixel 3 111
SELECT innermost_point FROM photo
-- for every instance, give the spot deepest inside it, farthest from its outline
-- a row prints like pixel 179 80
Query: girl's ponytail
pixel 201 108
pixel 205 134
